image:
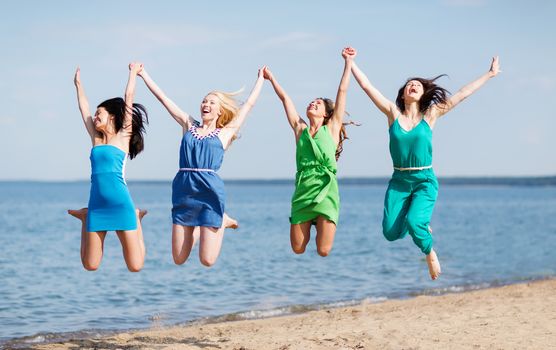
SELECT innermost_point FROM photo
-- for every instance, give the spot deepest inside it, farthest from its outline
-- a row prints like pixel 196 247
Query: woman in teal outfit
pixel 412 191
pixel 316 198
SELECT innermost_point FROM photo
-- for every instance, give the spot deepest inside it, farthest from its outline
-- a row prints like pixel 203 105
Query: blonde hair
pixel 229 107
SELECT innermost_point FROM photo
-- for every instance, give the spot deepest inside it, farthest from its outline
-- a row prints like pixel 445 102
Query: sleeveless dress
pixel 411 194
pixel 316 187
pixel 198 194
pixel 110 204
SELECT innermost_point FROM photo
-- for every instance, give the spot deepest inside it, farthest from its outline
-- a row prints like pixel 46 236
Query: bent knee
pixel 299 248
pixel 136 267
pixel 208 261
pixel 324 251
pixel 91 266
pixel 391 234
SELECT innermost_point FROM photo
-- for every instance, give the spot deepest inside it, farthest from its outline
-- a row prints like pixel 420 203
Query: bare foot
pixel 434 265
pixel 141 213
pixel 81 214
pixel 229 222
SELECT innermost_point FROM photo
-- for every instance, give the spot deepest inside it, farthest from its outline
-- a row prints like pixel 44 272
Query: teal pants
pixel 408 207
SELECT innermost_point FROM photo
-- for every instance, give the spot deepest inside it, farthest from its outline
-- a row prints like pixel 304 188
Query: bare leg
pixel 300 234
pixel 183 240
pixel 434 265
pixel 134 254
pixel 92 243
pixel 326 231
pixel 210 244
pixel 140 213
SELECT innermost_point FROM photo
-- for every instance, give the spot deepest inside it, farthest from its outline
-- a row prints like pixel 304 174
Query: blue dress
pixel 198 194
pixel 110 204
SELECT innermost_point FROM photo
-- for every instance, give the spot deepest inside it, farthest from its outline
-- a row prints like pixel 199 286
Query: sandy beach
pixel 520 316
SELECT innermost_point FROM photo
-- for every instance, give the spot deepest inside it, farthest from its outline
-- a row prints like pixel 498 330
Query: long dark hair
pixel 432 94
pixel 116 107
pixel 329 109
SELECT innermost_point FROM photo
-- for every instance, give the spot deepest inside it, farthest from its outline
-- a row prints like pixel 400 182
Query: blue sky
pixel 191 48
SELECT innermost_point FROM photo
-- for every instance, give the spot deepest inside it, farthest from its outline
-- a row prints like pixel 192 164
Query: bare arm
pixel 236 124
pixel 180 116
pixel 130 95
pixel 337 118
pixel 441 109
pixel 382 103
pixel 294 119
pixel 84 106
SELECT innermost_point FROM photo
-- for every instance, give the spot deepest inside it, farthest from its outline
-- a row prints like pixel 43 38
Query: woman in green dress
pixel 318 145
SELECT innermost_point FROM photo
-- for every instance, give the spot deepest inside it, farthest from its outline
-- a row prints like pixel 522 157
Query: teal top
pixel 411 149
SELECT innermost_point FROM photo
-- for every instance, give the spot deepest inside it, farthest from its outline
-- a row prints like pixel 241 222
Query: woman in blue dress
pixel 116 132
pixel 198 196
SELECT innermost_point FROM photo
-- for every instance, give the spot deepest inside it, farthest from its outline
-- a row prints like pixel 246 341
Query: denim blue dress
pixel 198 194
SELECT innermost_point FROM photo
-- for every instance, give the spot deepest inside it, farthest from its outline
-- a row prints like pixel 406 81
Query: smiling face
pixel 210 107
pixel 413 91
pixel 316 109
pixel 102 119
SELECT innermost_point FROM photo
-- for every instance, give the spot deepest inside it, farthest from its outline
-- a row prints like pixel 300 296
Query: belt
pixel 414 168
pixel 198 170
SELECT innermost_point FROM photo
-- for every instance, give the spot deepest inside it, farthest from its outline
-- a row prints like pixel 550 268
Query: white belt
pixel 197 169
pixel 416 168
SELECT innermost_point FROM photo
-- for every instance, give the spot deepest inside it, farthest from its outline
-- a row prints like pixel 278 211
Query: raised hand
pixel 494 67
pixel 77 77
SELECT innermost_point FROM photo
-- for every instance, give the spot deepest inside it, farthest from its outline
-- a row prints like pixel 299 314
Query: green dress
pixel 316 187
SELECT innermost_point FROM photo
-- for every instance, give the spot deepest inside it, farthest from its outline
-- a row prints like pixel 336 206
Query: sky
pixel 193 47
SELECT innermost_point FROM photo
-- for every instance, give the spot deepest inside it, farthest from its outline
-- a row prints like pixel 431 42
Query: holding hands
pixel 136 67
pixel 349 53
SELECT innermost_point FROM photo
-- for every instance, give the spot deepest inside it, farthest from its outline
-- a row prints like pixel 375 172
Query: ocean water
pixel 485 235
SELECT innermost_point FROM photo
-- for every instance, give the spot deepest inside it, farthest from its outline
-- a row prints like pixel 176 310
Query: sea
pixel 487 232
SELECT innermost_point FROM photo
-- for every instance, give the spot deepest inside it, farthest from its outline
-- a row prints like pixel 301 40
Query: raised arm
pixel 382 103
pixel 337 118
pixel 180 116
pixel 294 119
pixel 84 106
pixel 134 68
pixel 232 128
pixel 441 109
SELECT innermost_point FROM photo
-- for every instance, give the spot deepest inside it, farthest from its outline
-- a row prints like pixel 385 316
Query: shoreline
pixel 521 315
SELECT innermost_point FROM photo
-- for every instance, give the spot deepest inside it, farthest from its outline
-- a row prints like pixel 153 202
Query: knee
pixel 90 266
pixel 135 267
pixel 298 248
pixel 390 233
pixel 324 251
pixel 208 261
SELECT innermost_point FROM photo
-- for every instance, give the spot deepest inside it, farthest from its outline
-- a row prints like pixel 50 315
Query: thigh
pixel 326 231
pixel 423 201
pixel 183 240
pixel 210 244
pixel 397 201
pixel 132 249
pixel 92 248
pixel 300 234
